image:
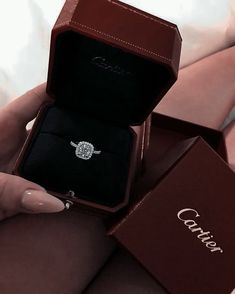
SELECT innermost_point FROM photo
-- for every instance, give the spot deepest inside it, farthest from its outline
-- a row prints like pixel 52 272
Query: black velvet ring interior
pixel 52 162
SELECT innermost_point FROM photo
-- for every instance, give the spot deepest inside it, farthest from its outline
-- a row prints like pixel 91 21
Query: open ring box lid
pixel 99 31
pixel 112 63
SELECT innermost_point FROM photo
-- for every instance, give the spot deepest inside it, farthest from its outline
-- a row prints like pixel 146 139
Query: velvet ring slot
pixel 97 179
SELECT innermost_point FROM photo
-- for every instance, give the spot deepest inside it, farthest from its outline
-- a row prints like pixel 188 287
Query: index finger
pixel 25 108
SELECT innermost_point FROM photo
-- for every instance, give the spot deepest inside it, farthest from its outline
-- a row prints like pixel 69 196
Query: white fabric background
pixel 206 26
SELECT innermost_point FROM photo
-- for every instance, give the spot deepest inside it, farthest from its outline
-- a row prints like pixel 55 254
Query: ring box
pixel 181 226
pixel 110 65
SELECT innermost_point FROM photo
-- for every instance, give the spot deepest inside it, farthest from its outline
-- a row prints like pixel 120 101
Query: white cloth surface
pixel 24 44
pixel 206 27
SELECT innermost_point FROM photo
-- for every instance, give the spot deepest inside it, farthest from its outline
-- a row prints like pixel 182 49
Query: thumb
pixel 25 108
pixel 18 195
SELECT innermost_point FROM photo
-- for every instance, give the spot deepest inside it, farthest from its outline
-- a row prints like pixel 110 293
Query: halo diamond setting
pixel 84 150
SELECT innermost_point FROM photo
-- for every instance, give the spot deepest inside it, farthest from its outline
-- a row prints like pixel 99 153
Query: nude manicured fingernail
pixel 41 202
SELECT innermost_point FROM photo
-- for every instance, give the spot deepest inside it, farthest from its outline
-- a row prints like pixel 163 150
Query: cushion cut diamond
pixel 84 150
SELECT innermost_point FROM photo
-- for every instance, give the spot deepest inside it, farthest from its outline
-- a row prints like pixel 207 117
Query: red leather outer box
pixel 134 32
pixel 182 228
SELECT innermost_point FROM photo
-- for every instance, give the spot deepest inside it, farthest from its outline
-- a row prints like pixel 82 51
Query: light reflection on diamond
pixel 84 150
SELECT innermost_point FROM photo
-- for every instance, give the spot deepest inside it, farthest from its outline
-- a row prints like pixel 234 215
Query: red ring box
pixel 181 227
pixel 110 65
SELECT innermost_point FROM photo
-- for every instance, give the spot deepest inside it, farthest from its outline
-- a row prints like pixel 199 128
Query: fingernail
pixel 41 202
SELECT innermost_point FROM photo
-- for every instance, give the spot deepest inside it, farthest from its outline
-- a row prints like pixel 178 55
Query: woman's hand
pixel 17 194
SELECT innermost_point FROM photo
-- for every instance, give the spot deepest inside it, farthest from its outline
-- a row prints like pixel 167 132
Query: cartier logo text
pixel 189 217
pixel 108 65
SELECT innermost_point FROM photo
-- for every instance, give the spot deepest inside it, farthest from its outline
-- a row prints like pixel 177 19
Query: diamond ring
pixel 84 150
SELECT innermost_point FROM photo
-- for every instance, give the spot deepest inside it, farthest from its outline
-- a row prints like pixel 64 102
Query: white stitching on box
pixel 141 14
pixel 120 40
